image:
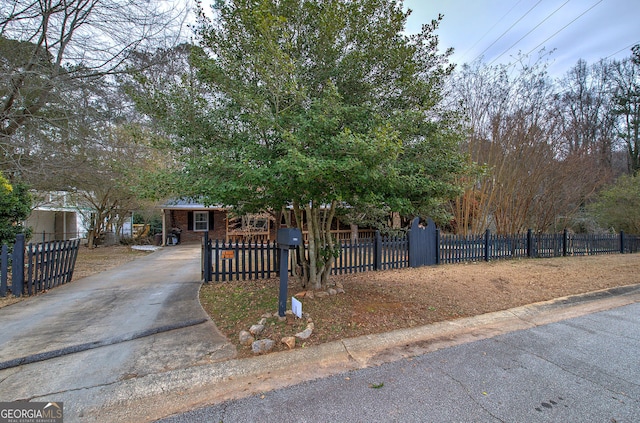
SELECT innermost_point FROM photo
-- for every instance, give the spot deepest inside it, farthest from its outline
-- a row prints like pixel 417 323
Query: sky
pixel 498 29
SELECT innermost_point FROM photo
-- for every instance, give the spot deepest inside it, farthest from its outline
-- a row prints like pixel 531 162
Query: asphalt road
pixel 585 369
pixel 141 318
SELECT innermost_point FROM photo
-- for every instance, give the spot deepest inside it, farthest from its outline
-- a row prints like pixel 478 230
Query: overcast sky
pixel 498 29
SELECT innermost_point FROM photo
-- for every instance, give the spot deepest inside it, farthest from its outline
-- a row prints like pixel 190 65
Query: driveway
pixel 138 319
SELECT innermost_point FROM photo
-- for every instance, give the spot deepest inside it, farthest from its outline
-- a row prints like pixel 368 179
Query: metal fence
pixel 36 267
pixel 242 261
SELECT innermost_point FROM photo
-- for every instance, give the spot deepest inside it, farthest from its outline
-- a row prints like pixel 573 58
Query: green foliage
pixel 314 104
pixel 618 207
pixel 15 207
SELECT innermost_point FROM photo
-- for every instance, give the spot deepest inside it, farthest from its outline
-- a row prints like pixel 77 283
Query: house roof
pixel 189 204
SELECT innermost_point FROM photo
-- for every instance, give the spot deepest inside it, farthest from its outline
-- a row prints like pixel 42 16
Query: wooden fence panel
pixel 243 261
pixel 253 261
pixel 50 264
pixel 38 267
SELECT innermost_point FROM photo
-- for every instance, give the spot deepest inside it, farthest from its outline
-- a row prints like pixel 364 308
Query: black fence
pixel 242 261
pixel 458 248
pixel 239 261
pixel 37 267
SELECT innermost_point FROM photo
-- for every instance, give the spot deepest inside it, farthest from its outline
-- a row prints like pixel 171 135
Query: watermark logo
pixel 31 412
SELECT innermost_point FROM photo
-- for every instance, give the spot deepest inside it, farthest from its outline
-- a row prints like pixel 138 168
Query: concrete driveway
pixel 138 319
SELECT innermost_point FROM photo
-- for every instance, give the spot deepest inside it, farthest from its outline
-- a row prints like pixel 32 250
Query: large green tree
pixel 314 105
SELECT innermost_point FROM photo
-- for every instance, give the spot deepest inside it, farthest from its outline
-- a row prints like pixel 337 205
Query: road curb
pixel 159 395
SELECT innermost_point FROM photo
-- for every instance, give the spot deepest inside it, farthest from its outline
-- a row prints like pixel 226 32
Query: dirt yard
pixel 376 302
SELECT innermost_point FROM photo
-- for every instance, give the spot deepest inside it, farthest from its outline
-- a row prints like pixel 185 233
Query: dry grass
pixel 377 302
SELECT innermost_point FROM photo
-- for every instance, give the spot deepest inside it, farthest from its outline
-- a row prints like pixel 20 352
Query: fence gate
pixel 423 244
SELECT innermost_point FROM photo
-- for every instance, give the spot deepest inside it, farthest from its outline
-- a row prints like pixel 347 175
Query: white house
pixel 56 217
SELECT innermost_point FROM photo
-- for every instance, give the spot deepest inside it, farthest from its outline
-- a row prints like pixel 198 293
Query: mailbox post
pixel 287 238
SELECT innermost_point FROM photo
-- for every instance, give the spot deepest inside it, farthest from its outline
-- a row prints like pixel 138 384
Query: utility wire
pixel 509 29
pixel 525 35
pixel 623 49
pixel 564 27
pixel 490 29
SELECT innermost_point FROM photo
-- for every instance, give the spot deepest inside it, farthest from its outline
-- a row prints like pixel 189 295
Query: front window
pixel 201 221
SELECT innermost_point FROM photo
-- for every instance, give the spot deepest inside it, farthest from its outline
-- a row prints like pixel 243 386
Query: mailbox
pixel 289 237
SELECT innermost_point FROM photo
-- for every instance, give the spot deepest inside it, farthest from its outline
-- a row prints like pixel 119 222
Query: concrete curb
pixel 158 395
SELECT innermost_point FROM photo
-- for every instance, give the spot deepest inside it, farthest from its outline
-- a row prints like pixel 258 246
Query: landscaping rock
pixel 262 346
pixel 321 294
pixel 305 334
pixel 245 338
pixel 332 291
pixel 256 329
pixel 289 341
pixel 262 321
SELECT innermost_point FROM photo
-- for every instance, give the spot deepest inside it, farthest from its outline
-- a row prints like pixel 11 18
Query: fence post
pixel 622 242
pixel 437 245
pixel 17 272
pixel 565 239
pixel 377 261
pixel 487 235
pixel 206 258
pixel 529 243
pixel 4 269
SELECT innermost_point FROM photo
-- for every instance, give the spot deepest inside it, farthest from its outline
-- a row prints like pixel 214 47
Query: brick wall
pixel 180 219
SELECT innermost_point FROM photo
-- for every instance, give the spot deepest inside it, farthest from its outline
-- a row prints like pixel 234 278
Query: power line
pixel 532 29
pixel 564 27
pixel 490 29
pixel 623 49
pixel 509 29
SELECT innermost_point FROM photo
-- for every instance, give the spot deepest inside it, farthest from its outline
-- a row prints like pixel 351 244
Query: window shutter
pixel 211 213
pixel 190 220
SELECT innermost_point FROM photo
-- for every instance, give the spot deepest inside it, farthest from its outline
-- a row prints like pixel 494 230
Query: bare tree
pixel 585 111
pixel 47 46
pixel 525 179
pixel 626 77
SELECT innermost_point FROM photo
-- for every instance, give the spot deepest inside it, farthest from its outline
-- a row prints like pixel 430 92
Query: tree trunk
pixel 320 248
